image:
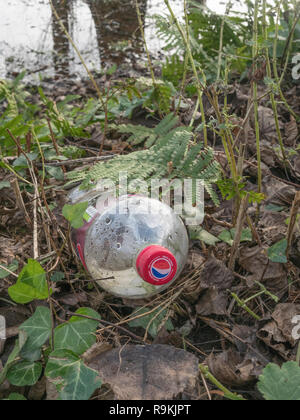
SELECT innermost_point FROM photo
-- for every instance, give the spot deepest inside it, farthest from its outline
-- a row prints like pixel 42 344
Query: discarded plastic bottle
pixel 135 248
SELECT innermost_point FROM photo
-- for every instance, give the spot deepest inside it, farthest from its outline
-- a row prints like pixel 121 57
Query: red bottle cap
pixel 156 265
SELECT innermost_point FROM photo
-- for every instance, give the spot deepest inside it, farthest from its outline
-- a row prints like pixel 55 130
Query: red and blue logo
pixel 156 265
pixel 161 268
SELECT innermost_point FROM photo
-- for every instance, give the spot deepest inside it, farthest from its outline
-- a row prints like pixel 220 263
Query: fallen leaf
pixel 283 316
pixel 255 261
pixel 154 372
pixel 212 302
pixel 291 132
pixel 278 333
pixel 73 299
pixel 230 369
pixel 267 124
pixel 216 275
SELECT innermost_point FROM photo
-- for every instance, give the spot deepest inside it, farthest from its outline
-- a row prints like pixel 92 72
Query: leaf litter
pixel 208 325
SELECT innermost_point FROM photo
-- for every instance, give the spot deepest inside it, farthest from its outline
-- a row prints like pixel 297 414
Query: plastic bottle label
pixel 79 235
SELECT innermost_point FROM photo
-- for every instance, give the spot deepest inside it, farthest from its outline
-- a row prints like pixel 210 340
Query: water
pixel 105 31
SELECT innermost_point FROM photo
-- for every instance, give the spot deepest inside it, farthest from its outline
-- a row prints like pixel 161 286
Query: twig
pixel 110 324
pixel 35 224
pixel 239 231
pixel 76 161
pixel 19 199
pixel 54 141
pixel 298 355
pixel 293 221
pixel 255 50
pixel 205 386
pixel 9 271
pixel 199 85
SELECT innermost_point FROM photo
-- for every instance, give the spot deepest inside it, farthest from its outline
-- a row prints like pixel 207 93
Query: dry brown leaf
pixel 216 275
pixel 291 132
pixel 273 226
pixel 217 278
pixel 283 316
pixel 255 261
pixel 213 302
pixel 277 334
pixel 281 195
pixel 267 124
pixel 296 164
pixel 51 390
pixel 73 299
pixel 230 368
pixel 38 390
pixel 154 372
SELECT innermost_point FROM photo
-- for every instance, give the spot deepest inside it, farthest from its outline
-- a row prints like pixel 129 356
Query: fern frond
pixel 166 125
pixel 139 133
pixel 172 155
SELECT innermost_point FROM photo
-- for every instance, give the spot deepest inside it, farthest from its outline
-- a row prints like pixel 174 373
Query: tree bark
pixel 117 28
pixel 61 46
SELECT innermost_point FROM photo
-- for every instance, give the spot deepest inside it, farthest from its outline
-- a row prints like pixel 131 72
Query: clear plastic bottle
pixel 135 248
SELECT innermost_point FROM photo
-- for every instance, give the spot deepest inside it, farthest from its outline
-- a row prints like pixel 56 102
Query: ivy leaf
pixel 12 267
pixel 55 172
pixel 31 284
pixel 152 322
pixel 4 184
pixel 277 252
pixel 74 213
pixel 57 276
pixel 200 234
pixel 14 396
pixel 21 162
pixel 280 384
pixel 38 330
pixel 78 334
pixel 76 381
pixel 228 236
pixel 13 355
pixel 24 373
pixel 273 207
pixel 21 293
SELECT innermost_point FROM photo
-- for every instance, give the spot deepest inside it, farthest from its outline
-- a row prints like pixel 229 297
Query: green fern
pixel 172 155
pixel 149 135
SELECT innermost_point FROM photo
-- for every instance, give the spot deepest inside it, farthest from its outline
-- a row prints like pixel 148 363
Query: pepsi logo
pixel 156 265
pixel 161 268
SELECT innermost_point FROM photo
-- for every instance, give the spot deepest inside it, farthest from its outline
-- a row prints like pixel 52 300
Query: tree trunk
pixel 61 47
pixel 117 28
